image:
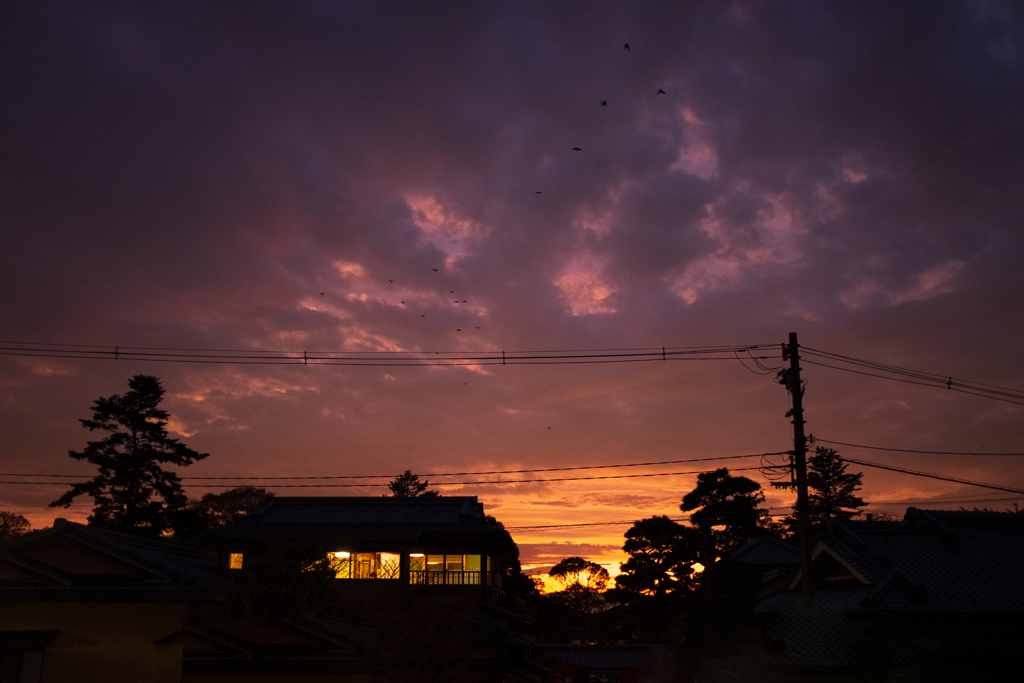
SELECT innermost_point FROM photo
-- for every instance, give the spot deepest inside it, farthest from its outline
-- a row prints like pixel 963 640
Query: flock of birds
pixel 604 103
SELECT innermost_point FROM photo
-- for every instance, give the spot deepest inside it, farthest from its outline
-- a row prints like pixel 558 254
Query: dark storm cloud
pixel 197 175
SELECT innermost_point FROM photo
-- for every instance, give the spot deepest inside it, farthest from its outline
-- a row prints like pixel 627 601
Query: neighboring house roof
pixel 953 565
pixel 71 561
pixel 606 658
pixel 766 551
pixel 362 518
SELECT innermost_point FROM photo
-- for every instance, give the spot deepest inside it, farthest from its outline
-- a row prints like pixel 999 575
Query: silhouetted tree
pixel 830 489
pixel 409 485
pixel 12 525
pixel 581 582
pixel 132 492
pixel 217 509
pixel 661 556
pixel 514 583
pixel 730 504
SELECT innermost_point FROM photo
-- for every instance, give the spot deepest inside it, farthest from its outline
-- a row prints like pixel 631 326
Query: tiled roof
pixel 932 562
pixel 766 551
pixel 938 561
pixel 359 518
pixel 605 657
pixel 165 571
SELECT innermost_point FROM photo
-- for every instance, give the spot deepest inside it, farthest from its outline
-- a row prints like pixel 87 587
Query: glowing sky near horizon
pixel 401 177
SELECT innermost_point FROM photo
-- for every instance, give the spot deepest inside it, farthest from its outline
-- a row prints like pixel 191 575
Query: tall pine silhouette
pixel 133 493
pixel 831 489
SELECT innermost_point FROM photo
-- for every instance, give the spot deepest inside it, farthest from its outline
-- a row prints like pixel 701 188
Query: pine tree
pixel 733 505
pixel 661 556
pixel 132 492
pixel 409 485
pixel 830 489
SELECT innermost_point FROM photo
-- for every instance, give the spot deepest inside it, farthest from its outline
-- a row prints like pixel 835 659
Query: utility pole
pixel 791 379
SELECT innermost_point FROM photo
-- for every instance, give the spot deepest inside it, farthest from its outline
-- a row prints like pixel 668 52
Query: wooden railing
pixel 449 578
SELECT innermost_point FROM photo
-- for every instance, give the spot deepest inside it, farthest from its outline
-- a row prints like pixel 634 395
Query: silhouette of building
pixel 410 584
pixel 79 603
pixel 390 549
pixel 935 597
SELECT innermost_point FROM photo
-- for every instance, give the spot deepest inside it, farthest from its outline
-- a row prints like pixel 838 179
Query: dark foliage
pixel 661 556
pixel 12 525
pixel 132 492
pixel 514 583
pixel 216 509
pixel 408 485
pixel 225 507
pixel 830 489
pixel 582 582
pixel 289 581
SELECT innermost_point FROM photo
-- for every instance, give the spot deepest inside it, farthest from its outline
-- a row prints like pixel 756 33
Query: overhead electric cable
pixel 446 483
pixel 377 358
pixel 435 474
pixel 909 376
pixel 907 450
pixel 929 475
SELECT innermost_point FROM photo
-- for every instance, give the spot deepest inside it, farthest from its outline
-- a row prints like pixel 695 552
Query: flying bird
pixel 459 329
pixel 538 192
pixel 478 328
pixel 660 91
pixel 435 270
pixel 577 149
pixel 403 302
pixel 451 291
pixel 626 47
pixel 463 301
pixel 604 103
pixel 390 280
pixel 321 293
pixel 423 316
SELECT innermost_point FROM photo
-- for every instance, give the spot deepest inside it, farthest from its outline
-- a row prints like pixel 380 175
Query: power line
pixel 434 474
pixel 929 475
pixel 556 527
pixel 377 358
pixel 446 483
pixel 908 376
pixel 907 450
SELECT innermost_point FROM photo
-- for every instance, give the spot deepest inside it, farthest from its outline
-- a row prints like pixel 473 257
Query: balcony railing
pixel 449 578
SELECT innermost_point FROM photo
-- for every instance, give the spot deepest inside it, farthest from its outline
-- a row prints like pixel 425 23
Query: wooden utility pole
pixel 800 462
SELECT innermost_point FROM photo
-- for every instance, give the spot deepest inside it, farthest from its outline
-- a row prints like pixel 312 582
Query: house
pixel 348 590
pixel 773 560
pixel 383 551
pixel 935 597
pixel 79 603
pixel 424 572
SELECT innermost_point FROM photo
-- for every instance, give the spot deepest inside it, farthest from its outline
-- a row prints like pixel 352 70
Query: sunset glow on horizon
pixel 215 180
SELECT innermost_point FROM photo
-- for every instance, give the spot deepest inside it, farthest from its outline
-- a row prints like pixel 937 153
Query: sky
pixel 484 177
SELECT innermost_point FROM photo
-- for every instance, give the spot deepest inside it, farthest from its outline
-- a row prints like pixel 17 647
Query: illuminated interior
pixel 235 561
pixel 424 568
pixel 447 569
pixel 364 565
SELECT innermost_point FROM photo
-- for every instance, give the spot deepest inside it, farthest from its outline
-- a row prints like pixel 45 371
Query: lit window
pixel 340 564
pixel 417 562
pixel 235 561
pixel 446 569
pixel 365 565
